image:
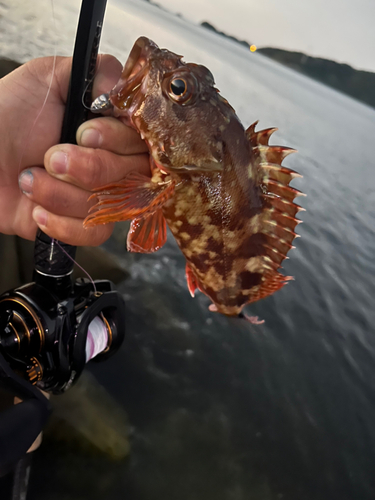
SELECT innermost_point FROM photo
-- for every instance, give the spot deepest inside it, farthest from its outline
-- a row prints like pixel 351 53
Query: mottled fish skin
pixel 229 204
pixel 203 216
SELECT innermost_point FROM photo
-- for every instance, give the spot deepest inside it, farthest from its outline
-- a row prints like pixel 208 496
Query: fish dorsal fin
pixel 261 137
pixel 278 218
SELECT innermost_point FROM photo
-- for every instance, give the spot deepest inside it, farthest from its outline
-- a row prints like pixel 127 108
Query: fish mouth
pixel 130 90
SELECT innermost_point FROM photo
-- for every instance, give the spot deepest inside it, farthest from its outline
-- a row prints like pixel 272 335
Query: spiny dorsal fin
pixel 259 138
pixel 278 219
pixel 273 154
pixel 278 173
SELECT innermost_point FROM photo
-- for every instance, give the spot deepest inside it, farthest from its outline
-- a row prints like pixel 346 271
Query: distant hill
pixel 342 77
pixel 209 26
pixel 358 84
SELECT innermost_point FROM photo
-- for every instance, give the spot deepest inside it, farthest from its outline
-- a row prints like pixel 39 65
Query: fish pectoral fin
pixel 148 234
pixel 133 197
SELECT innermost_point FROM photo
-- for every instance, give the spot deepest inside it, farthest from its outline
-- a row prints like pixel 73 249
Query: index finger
pixel 110 134
pixel 90 168
pixel 108 72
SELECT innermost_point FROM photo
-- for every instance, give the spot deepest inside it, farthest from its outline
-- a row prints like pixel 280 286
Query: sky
pixel 341 30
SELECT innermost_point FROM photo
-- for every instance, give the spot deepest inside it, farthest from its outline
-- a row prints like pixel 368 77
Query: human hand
pixel 51 198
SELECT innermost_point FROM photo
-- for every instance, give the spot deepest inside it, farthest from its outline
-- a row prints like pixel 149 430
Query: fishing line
pixel 98 62
pixel 27 142
pixel 75 262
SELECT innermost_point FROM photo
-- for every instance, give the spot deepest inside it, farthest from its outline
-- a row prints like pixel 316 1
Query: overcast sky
pixel 342 30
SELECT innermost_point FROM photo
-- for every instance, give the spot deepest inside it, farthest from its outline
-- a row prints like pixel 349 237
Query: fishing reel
pixel 50 328
pixel 48 340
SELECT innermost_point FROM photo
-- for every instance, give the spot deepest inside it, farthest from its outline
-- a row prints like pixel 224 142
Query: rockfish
pixel 221 189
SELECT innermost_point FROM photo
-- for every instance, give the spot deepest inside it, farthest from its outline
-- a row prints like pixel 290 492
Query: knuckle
pixel 46 193
pixel 97 167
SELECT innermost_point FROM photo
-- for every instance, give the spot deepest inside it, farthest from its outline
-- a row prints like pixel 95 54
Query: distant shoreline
pixel 355 83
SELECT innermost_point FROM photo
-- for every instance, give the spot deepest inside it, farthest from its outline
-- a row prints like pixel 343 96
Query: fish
pixel 221 189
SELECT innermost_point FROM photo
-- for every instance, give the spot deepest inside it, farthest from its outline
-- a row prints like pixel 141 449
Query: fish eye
pixel 182 88
pixel 178 87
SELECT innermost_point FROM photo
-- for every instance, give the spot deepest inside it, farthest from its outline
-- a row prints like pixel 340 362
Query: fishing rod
pixel 50 328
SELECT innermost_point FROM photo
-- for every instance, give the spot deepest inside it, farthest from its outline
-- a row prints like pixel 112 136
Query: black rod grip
pixel 49 258
pixel 83 67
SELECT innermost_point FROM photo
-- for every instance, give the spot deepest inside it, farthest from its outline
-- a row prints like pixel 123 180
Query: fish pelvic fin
pixel 147 235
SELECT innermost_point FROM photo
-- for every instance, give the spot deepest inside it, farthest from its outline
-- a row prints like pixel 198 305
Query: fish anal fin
pixel 133 197
pixel 147 235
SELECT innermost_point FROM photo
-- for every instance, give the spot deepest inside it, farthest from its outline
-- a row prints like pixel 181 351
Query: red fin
pixel 275 154
pixel 273 281
pixel 132 197
pixel 259 138
pixel 282 205
pixel 282 189
pixel 147 235
pixel 278 220
pixel 278 173
pixel 191 280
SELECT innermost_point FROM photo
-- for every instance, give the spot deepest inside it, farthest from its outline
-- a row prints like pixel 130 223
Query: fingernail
pixel 40 216
pixel 91 138
pixel 25 182
pixel 59 162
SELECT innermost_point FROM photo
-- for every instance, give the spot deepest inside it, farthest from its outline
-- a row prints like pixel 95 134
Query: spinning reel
pixel 51 328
